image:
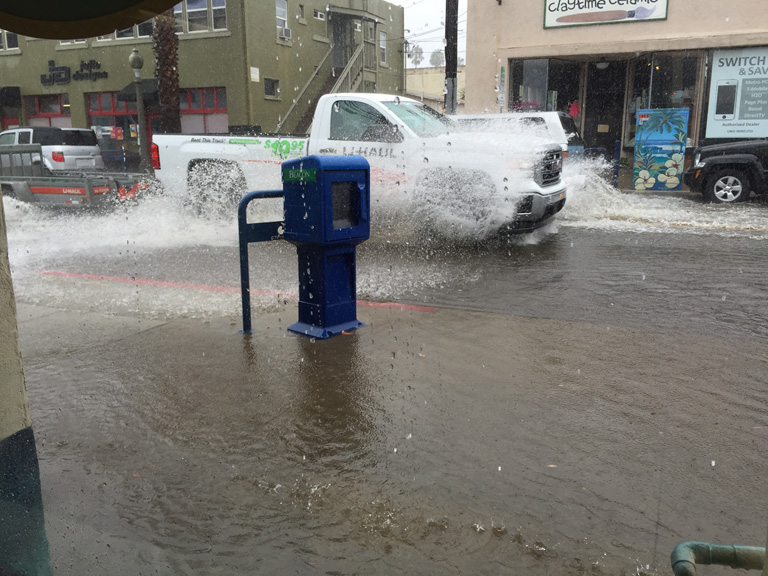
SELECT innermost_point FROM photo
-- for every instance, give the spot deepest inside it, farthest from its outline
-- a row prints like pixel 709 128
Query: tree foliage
pixel 437 58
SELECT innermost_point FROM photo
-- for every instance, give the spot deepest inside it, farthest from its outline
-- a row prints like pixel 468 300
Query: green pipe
pixel 685 556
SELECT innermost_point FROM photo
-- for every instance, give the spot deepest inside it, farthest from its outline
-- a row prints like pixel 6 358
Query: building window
pixel 48 110
pixel 204 110
pixel 301 11
pixel 143 30
pixel 219 13
pixel 197 15
pixel 271 87
pixel 319 15
pixel 116 124
pixel 200 16
pixel 8 40
pixel 70 42
pixel 661 81
pixel 281 13
pixel 383 47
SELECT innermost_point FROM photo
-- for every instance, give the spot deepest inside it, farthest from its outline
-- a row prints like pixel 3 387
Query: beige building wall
pixel 428 84
pixel 499 31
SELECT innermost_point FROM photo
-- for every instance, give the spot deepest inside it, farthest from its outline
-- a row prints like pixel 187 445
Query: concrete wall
pixel 23 542
pixel 427 85
pixel 500 31
pixel 14 407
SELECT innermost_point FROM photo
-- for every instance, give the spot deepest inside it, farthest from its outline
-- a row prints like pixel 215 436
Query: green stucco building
pixel 243 65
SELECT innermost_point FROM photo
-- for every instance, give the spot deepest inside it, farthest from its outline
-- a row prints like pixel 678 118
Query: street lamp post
pixel 137 62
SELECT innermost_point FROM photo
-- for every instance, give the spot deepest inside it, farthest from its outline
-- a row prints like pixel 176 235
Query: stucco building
pixel 242 65
pixel 428 86
pixel 603 60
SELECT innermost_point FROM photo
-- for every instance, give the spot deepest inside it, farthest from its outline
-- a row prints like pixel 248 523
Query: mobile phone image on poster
pixel 725 105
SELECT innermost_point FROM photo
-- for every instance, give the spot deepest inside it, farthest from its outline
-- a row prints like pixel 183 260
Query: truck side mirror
pixel 395 135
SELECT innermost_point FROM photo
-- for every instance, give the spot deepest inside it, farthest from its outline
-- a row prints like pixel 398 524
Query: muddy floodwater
pixel 577 401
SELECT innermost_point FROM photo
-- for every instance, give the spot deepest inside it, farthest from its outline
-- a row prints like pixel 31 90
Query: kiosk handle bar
pixel 253 232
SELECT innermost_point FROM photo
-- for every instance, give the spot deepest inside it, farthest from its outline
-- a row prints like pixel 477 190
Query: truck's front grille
pixel 549 168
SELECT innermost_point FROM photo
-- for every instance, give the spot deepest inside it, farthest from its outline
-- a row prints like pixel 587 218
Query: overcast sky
pixel 425 25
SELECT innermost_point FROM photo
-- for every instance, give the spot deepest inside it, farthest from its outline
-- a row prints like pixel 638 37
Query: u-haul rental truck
pixel 488 182
pixel 23 175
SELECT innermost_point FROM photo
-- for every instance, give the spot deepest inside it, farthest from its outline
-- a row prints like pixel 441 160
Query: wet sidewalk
pixel 430 441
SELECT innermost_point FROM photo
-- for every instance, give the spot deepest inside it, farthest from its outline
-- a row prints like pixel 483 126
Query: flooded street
pixel 576 401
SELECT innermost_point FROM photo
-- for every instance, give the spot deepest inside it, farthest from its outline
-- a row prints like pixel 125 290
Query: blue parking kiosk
pixel 327 214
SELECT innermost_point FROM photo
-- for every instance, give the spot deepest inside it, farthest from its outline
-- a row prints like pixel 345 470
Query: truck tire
pixel 727 186
pixel 215 187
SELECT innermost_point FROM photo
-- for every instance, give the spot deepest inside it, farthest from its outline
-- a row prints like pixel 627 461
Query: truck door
pixel 358 128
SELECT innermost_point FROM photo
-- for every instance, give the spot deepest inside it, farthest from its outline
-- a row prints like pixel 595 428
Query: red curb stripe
pixel 220 289
pixel 395 306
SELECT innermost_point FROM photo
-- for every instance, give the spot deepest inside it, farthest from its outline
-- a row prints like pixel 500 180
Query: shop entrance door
pixel 604 106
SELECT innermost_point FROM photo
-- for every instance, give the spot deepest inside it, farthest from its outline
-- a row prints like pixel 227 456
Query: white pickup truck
pixel 479 184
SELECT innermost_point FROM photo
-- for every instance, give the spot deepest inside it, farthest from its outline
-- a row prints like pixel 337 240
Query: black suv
pixel 729 172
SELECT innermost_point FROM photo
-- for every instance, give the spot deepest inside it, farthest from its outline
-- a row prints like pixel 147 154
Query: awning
pixel 10 96
pixel 149 86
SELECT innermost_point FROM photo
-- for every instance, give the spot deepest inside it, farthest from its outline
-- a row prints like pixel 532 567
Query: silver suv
pixel 63 148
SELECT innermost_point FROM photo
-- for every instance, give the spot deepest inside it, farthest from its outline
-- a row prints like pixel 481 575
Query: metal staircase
pixel 360 74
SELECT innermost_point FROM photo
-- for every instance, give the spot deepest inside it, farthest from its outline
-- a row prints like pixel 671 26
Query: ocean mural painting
pixel 660 141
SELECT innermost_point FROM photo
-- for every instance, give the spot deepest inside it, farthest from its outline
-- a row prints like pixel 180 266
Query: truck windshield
pixel 424 121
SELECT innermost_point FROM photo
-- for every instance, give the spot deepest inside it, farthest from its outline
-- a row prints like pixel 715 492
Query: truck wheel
pixel 215 186
pixel 727 186
pixel 454 203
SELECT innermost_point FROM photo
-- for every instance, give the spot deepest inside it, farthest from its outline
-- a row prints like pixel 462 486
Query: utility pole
pixel 451 54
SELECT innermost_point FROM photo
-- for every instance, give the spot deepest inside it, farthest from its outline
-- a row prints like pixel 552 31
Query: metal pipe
pixel 252 232
pixel 686 555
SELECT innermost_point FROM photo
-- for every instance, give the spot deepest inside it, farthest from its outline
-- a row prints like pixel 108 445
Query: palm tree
pixel 165 44
pixel 660 121
pixel 416 54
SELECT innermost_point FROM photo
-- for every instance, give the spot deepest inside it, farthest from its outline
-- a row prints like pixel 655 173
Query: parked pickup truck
pixel 25 176
pixel 447 179
pixel 727 173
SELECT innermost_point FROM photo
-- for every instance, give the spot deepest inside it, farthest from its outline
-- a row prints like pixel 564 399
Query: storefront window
pixel 543 84
pixel 529 84
pixel 116 123
pixel 204 110
pixel 48 110
pixel 49 104
pixel 563 85
pixel 661 81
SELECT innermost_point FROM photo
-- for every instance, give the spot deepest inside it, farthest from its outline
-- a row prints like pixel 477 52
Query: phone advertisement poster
pixel 660 140
pixel 738 96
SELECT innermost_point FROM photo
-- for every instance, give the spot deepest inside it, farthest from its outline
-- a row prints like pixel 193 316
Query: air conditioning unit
pixel 285 33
